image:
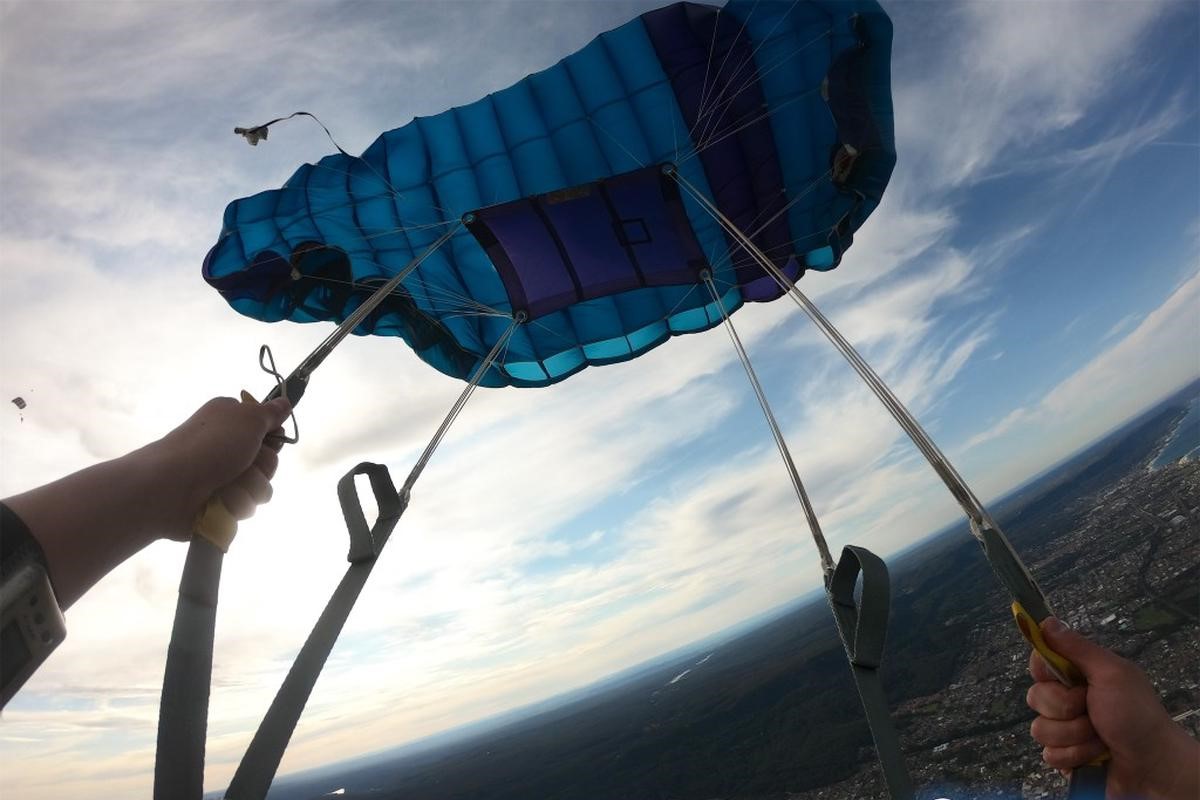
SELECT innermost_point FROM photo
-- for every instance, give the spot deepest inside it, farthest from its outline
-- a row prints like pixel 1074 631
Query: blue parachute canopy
pixel 778 112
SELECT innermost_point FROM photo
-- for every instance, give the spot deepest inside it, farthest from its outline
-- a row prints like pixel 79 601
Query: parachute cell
pixel 779 113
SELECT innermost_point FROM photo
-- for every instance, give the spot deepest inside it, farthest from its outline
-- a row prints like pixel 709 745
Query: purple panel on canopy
pixel 592 240
pixel 710 62
pixel 647 203
pixel 598 260
pixel 518 236
pixel 765 289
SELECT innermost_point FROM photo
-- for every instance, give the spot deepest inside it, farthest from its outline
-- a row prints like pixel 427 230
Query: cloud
pixel 1162 351
pixel 1012 421
pixel 1010 79
pixel 1121 326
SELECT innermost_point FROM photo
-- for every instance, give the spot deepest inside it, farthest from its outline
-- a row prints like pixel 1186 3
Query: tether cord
pixel 183 708
pixel 814 526
pixel 1006 564
pixel 971 505
pixel 261 761
pixel 457 408
pixel 862 625
pixel 1009 567
pixel 480 370
pixel 1086 782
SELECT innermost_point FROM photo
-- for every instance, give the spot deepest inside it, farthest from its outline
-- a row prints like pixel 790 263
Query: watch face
pixel 31 626
pixel 14 653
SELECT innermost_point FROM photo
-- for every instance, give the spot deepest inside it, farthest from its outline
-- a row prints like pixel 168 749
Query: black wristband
pixel 17 544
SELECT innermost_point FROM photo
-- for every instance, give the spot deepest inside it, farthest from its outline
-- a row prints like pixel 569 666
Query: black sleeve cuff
pixel 17 544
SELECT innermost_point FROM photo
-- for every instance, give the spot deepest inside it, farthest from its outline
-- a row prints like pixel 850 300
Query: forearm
pixel 90 521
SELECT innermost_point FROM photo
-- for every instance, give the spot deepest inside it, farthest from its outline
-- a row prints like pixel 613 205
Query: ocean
pixel 1185 441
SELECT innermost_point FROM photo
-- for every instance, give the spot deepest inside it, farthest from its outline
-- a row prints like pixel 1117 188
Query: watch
pixel 31 623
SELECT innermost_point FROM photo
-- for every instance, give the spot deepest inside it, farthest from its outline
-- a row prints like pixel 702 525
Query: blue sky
pixel 1030 281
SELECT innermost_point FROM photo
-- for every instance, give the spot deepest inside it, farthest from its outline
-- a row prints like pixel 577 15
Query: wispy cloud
pixel 1010 79
pixel 1121 326
pixel 1162 351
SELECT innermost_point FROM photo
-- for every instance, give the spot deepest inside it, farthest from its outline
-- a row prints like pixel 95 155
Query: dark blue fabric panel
pixel 711 65
pixel 655 229
pixel 797 45
pixel 588 242
pixel 540 267
pixel 666 133
pixel 595 254
pixel 764 288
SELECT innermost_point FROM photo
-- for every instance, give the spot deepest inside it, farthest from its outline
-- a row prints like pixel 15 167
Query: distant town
pixel 1129 577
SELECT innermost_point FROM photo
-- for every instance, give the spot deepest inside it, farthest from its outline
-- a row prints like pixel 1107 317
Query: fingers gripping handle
pixel 1059 665
pixel 1089 781
pixel 1066 672
pixel 214 523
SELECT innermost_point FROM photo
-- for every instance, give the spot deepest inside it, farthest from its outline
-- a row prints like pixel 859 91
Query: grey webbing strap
pixel 183 709
pixel 863 629
pixel 257 769
pixel 1012 573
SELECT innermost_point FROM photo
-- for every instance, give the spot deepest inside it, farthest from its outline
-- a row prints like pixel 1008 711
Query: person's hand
pixel 1119 712
pixel 91 520
pixel 222 450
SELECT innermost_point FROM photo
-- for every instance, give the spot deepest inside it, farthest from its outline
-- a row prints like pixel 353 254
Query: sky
pixel 1030 281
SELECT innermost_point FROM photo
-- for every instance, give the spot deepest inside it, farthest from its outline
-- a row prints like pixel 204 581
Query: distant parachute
pixel 19 402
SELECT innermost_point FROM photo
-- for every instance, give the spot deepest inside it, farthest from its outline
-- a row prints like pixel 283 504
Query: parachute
pixel 561 193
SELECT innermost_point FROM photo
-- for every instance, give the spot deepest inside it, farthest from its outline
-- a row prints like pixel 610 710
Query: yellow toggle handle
pixel 1066 672
pixel 215 523
pixel 1063 669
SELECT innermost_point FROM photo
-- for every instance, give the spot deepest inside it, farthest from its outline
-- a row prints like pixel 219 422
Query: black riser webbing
pixel 862 626
pixel 183 709
pixel 261 761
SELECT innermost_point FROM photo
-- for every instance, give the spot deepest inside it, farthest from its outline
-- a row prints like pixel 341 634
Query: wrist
pixel 1179 775
pixel 171 499
pixel 90 521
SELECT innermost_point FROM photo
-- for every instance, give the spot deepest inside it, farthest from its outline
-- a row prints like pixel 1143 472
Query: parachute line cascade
pixel 567 221
pixel 258 766
pixel 814 526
